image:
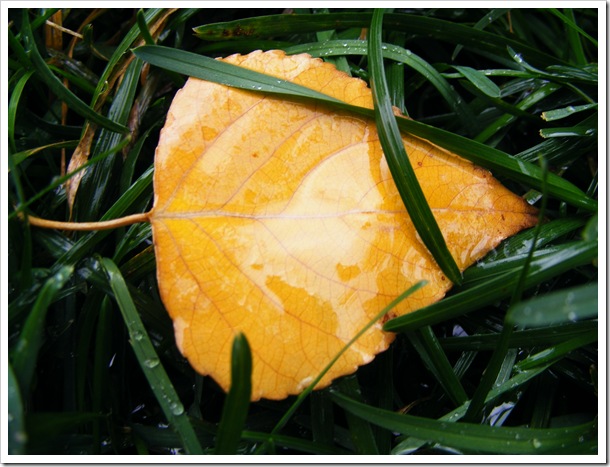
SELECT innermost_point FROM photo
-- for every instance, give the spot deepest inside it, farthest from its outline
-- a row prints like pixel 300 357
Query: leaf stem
pixel 88 226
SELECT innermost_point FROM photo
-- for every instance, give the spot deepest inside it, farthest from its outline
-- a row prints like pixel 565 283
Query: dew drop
pixel 151 362
pixel 176 408
pixel 137 336
pixel 536 443
pixel 572 316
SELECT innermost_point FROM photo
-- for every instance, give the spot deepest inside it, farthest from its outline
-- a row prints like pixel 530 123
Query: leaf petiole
pixel 88 226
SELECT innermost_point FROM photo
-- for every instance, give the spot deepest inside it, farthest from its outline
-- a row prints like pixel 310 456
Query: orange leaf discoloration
pixel 281 220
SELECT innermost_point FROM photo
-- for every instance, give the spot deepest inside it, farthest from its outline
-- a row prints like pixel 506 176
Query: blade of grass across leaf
pixel 236 404
pixel 502 356
pixel 484 439
pixel 290 412
pixel 149 361
pixel 499 162
pixel 398 161
pixel 400 55
pixel 560 260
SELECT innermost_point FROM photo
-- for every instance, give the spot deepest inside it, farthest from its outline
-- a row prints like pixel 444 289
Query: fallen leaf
pixel 281 220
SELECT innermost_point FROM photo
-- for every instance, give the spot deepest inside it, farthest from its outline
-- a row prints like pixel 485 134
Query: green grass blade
pixel 57 87
pixel 473 437
pixel 500 163
pixel 552 354
pixel 235 409
pixel 127 42
pixel 453 33
pixel 25 354
pixel 557 114
pixel 209 69
pixel 479 80
pixel 497 161
pixel 551 335
pixel 564 306
pixel 298 444
pixel 400 55
pixel 12 108
pixel 61 180
pixel 360 429
pixel 398 161
pixel 95 183
pixel 17 436
pixel 290 412
pixel 19 157
pixel 560 260
pixel 149 361
pixel 433 355
pixel 569 21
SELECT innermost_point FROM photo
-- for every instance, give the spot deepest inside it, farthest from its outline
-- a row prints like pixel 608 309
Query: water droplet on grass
pixel 151 362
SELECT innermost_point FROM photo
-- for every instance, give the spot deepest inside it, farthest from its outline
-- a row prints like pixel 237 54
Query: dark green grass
pixel 506 364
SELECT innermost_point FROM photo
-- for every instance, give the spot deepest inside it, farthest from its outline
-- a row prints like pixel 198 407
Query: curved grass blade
pixel 493 159
pixel 209 69
pixel 19 157
pixel 25 354
pixel 498 287
pixel 17 435
pixel 290 412
pixel 569 21
pixel 430 351
pixel 236 404
pixel 398 54
pixel 480 81
pixel 149 361
pixel 553 354
pixel 12 108
pixel 549 336
pixel 398 161
pixel 57 87
pixel 487 439
pixel 453 33
pixel 486 20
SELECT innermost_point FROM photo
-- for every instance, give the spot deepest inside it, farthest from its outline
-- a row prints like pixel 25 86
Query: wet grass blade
pixel 479 80
pixel 400 55
pixel 453 33
pixel 427 345
pixel 25 353
pixel 57 87
pixel 564 306
pixel 559 260
pixel 17 435
pixel 236 404
pixel 493 159
pixel 149 361
pixel 474 438
pixel 398 161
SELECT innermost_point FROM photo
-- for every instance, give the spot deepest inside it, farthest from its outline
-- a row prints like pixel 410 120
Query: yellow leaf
pixel 281 220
